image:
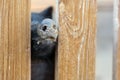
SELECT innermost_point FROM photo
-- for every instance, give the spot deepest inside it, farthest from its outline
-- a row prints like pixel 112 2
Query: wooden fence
pixel 76 43
pixel 15 40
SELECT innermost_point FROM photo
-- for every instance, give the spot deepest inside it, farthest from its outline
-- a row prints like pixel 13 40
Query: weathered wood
pixel 116 54
pixel 14 39
pixel 76 47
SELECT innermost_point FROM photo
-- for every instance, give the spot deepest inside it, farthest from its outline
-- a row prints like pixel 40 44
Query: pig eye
pixel 54 26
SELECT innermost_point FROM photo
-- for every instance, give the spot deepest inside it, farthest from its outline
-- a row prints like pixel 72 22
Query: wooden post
pixel 76 43
pixel 116 54
pixel 14 39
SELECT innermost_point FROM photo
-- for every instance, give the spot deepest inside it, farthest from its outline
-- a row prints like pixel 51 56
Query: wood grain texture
pixel 14 39
pixel 76 47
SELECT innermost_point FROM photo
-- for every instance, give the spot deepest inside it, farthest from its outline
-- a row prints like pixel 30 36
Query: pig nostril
pixel 44 28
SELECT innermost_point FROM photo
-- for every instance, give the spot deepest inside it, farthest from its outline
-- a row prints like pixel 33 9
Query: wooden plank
pixel 76 43
pixel 3 38
pixel 118 57
pixel 14 39
pixel 116 54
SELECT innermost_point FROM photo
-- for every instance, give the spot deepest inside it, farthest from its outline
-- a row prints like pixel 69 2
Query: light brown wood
pixel 76 43
pixel 117 66
pixel 116 54
pixel 14 39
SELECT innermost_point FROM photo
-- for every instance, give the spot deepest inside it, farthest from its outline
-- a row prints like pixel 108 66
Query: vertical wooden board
pixel 116 54
pixel 3 38
pixel 76 44
pixel 118 58
pixel 14 39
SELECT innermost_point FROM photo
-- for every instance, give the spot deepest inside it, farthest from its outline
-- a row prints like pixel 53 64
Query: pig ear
pixel 47 13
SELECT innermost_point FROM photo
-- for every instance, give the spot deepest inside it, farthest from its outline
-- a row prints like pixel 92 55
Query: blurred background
pixel 104 52
pixel 39 5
